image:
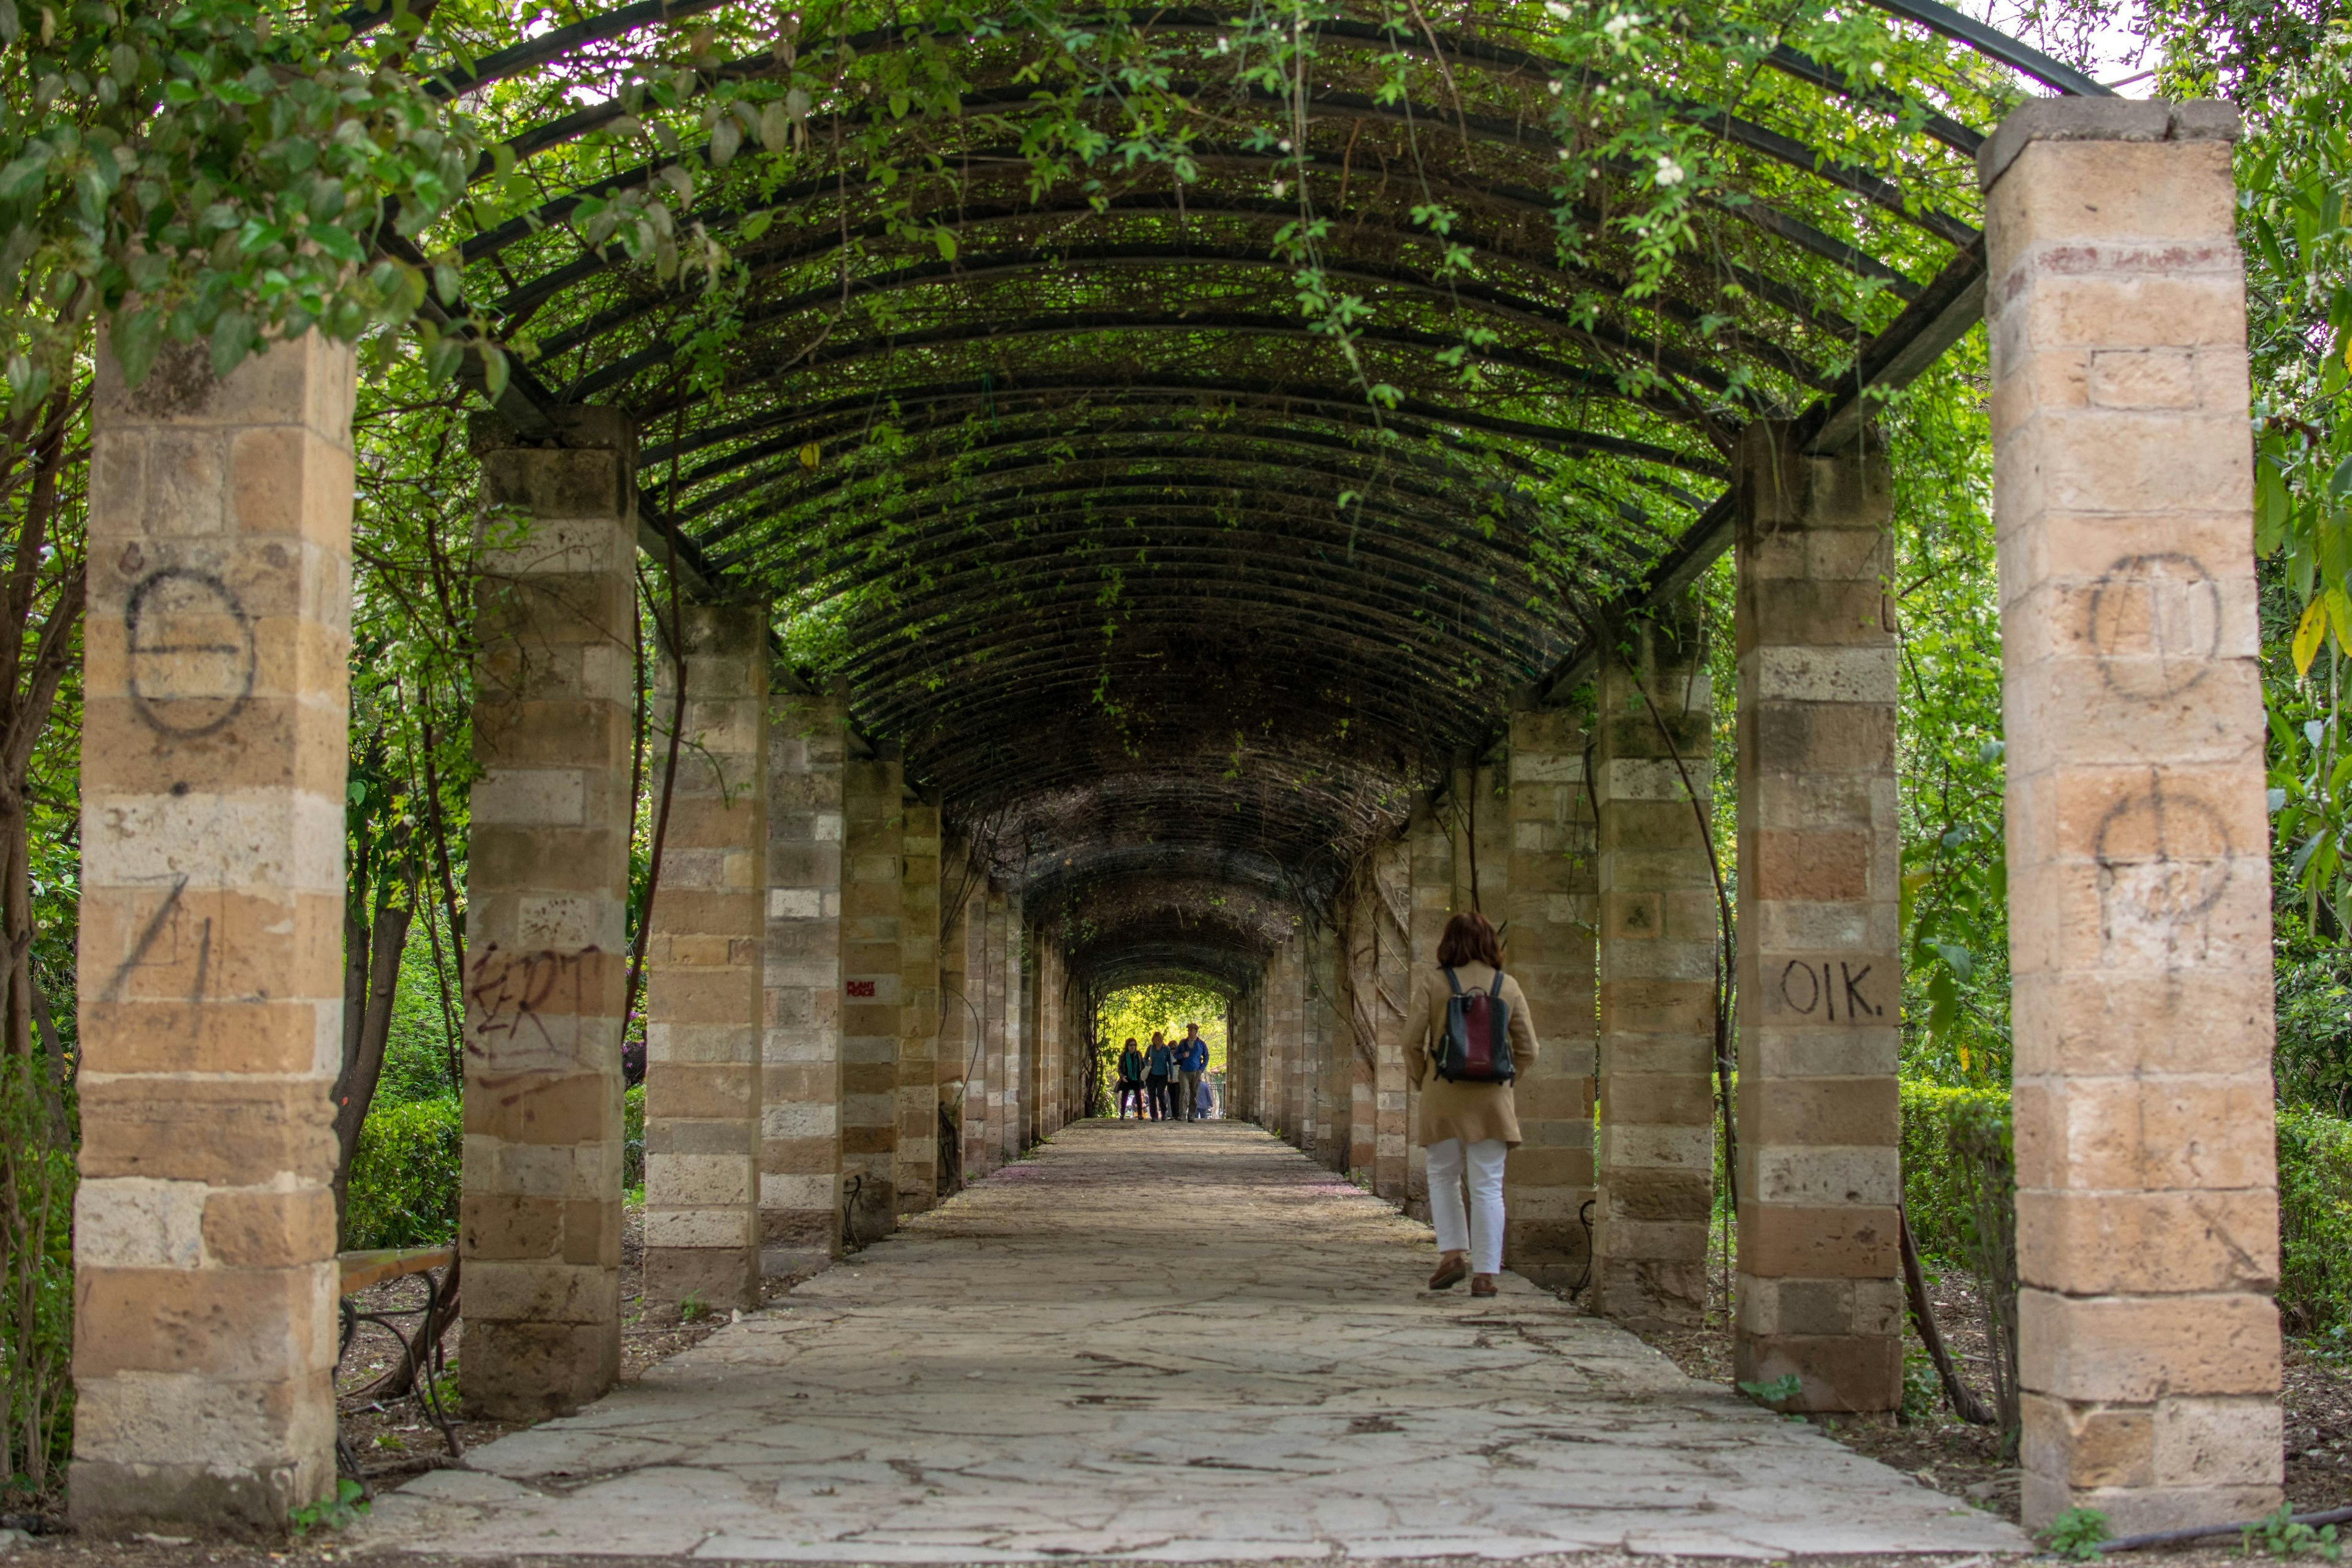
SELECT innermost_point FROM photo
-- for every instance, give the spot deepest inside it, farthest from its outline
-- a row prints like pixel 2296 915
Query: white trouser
pixel 1480 1233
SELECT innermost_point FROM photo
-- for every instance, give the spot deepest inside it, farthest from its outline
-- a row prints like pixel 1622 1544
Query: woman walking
pixel 1159 1064
pixel 1131 1081
pixel 1462 1056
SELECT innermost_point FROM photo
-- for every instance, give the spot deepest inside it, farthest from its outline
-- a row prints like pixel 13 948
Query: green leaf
pixel 232 340
pixel 2273 507
pixel 494 369
pixel 135 338
pixel 724 141
pixel 2339 483
pixel 24 175
pixel 338 244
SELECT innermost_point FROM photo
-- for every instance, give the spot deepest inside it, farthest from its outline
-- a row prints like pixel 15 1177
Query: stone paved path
pixel 1173 1343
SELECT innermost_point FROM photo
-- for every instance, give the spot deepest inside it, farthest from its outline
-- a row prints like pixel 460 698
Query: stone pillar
pixel 704 998
pixel 1375 955
pixel 1657 952
pixel 1283 996
pixel 970 938
pixel 1819 1286
pixel 1438 855
pixel 1547 907
pixel 1020 1058
pixel 801 1071
pixel 2140 875
pixel 1053 1044
pixel 217 703
pixel 1000 1100
pixel 955 1017
pixel 873 972
pixel 918 1011
pixel 1331 1066
pixel 546 894
pixel 1392 983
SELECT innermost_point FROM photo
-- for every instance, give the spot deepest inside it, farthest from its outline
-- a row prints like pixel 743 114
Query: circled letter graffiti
pixel 192 658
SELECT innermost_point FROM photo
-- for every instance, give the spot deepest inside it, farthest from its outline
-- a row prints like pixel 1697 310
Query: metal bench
pixel 421 1363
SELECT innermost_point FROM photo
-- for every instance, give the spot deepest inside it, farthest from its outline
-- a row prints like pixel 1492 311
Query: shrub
pixel 2314 1177
pixel 1935 1188
pixel 37 1193
pixel 633 1138
pixel 406 1175
pixel 2315 1173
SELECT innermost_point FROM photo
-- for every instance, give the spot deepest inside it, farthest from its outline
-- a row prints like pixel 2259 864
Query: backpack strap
pixel 1455 981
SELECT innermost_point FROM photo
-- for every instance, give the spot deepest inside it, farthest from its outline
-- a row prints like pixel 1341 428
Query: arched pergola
pixel 1159 495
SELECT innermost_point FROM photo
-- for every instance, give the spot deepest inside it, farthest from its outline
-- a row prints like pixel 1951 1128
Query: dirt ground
pixel 395 1440
pixel 1966 1461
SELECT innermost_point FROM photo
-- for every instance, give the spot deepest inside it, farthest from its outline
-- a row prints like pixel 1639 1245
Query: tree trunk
pixel 1959 1395
pixel 367 1026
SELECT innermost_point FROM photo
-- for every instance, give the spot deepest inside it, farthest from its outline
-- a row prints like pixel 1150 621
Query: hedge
pixel 406 1175
pixel 1935 1189
pixel 2314 1174
pixel 2314 1158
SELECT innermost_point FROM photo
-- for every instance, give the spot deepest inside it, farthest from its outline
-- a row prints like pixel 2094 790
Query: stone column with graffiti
pixel 546 926
pixel 1819 1287
pixel 872 966
pixel 2139 865
pixel 214 744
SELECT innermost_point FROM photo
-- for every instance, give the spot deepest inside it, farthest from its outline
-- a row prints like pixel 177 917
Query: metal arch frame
pixel 996 267
pixel 1412 714
pixel 1160 446
pixel 997 493
pixel 554 44
pixel 1759 214
pixel 1192 387
pixel 1053 532
pixel 774 259
pixel 1372 463
pixel 1396 608
pixel 1061 524
pixel 1072 323
pixel 1717 122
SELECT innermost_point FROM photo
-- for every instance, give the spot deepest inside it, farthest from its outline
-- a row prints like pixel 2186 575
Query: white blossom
pixel 1669 172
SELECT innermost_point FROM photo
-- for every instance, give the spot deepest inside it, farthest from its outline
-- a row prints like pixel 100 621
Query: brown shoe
pixel 1451 1269
pixel 1484 1285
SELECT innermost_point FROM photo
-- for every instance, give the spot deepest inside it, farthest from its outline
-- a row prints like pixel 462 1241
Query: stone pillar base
pixel 110 1501
pixel 519 1371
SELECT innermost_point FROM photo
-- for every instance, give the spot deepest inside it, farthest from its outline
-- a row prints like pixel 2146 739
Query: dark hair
pixel 1130 1039
pixel 1469 939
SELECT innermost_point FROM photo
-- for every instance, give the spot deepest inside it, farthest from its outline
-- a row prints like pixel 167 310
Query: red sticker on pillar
pixel 861 988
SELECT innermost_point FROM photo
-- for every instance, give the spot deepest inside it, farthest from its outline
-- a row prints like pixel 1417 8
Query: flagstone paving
pixel 1175 1344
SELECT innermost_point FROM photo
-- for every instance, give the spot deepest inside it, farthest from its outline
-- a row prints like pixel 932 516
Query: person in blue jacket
pixel 1159 1066
pixel 1192 1061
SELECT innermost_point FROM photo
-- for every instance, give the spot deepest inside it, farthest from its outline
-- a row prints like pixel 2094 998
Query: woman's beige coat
pixel 1470 1112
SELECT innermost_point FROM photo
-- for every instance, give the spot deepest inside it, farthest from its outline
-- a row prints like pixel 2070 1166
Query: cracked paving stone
pixel 1251 1371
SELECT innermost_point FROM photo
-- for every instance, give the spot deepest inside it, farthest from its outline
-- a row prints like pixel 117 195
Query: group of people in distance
pixel 1165 1082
